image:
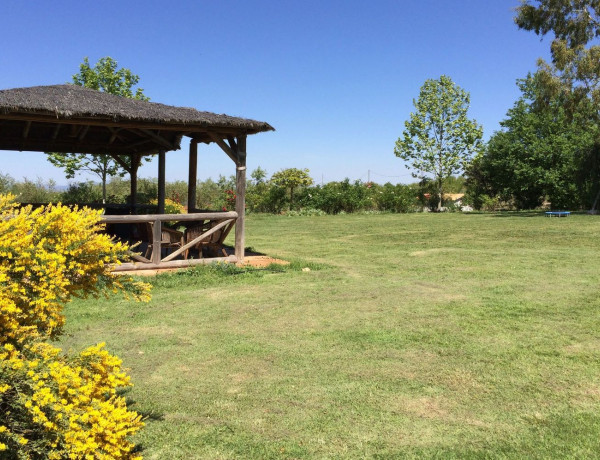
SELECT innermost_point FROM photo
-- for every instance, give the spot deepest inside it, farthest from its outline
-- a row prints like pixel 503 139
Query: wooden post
pixel 192 176
pixel 240 197
pixel 156 239
pixel 135 164
pixel 161 183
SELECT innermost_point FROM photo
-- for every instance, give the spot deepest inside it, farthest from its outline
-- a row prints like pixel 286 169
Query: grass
pixel 412 336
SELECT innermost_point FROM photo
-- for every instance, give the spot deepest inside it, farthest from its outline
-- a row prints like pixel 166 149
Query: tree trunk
pixel 593 210
pixel 441 171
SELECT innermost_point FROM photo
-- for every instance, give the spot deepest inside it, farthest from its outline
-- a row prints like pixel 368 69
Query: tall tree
pixel 538 154
pixel 107 77
pixel 574 21
pixel 439 139
pixel 575 67
pixel 574 73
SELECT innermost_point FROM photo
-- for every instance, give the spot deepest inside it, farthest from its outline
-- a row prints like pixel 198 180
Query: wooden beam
pixel 240 198
pixel 198 216
pixel 159 139
pixel 114 134
pixel 56 130
pixel 197 240
pixel 156 241
pixel 232 143
pixel 83 132
pixel 139 258
pixel 192 176
pixel 135 145
pixel 173 264
pixel 135 164
pixel 221 143
pixel 122 163
pixel 161 183
pixel 16 142
pixel 26 129
pixel 123 124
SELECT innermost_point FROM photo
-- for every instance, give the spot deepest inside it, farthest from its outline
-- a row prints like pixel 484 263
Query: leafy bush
pixel 335 197
pixel 483 202
pixel 171 207
pixel 82 192
pixel 39 191
pixel 177 191
pixel 291 179
pixel 209 195
pixel 266 198
pixel 6 183
pixel 56 406
pixel 396 198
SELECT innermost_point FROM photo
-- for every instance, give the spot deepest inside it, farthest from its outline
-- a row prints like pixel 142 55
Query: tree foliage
pixel 538 155
pixel 291 179
pixel 439 139
pixel 574 72
pixel 107 77
pixel 258 176
pixel 573 76
pixel 573 21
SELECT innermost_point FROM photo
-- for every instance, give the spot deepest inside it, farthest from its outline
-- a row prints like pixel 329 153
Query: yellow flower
pixel 48 256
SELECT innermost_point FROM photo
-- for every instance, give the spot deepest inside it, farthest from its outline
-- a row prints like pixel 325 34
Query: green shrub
pixel 82 192
pixel 335 197
pixel 395 198
pixel 6 183
pixel 35 192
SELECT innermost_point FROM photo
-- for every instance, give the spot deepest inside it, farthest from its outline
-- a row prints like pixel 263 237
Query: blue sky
pixel 335 78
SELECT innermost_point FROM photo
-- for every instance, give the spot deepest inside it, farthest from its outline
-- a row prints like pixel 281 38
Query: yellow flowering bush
pixel 59 407
pixel 47 256
pixel 54 406
pixel 171 206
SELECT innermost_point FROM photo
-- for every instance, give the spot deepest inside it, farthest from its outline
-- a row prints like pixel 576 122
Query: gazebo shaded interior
pixel 70 118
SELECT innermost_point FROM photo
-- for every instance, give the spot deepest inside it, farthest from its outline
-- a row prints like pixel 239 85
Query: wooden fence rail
pixel 220 219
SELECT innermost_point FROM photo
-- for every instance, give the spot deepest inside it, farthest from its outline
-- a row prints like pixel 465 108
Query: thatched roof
pixel 72 118
pixel 70 101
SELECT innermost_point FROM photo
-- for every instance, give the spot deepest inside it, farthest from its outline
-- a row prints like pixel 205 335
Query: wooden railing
pixel 220 221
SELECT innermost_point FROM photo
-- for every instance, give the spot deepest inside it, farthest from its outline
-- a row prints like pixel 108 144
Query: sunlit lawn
pixel 420 335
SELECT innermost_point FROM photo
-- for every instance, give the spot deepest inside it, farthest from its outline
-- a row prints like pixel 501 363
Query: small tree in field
pixel 438 138
pixel 106 77
pixel 291 179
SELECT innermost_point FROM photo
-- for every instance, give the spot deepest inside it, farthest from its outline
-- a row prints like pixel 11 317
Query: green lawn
pixel 412 336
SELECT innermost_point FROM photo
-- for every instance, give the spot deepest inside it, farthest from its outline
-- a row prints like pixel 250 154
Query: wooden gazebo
pixel 70 118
